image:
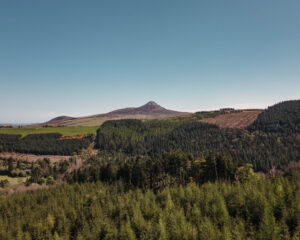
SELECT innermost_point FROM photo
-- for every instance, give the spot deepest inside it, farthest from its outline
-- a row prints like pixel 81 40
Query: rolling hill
pixel 150 110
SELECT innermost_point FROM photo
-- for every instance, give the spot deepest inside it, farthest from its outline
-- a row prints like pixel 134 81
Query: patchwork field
pixel 65 131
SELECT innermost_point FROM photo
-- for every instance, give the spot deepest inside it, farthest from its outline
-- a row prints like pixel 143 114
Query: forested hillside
pixel 282 117
pixel 253 209
pixel 134 137
pixel 271 141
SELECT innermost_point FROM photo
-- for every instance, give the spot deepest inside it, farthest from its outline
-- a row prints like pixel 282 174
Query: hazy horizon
pixel 80 58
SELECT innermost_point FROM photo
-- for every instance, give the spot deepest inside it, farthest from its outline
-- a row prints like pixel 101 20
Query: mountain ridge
pixel 150 110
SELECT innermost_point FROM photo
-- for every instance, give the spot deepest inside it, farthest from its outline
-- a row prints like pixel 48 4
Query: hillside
pixel 239 119
pixel 64 131
pixel 204 133
pixel 150 110
pixel 283 117
pixel 60 119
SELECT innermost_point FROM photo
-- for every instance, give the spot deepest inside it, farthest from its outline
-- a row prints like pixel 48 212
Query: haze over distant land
pixel 148 111
pixel 77 59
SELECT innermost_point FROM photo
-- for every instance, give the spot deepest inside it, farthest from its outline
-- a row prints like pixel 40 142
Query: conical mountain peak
pixel 151 103
pixel 151 106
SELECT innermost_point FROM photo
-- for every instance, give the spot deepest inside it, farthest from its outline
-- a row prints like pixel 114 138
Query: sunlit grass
pixel 13 180
pixel 65 131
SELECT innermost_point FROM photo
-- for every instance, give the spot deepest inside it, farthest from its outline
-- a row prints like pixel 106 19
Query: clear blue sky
pixel 86 57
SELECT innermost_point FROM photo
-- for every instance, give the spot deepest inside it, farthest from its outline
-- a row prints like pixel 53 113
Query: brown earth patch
pixel 73 137
pixel 17 188
pixel 234 120
pixel 32 157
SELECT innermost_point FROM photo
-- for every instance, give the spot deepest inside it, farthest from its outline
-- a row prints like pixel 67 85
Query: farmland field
pixel 65 131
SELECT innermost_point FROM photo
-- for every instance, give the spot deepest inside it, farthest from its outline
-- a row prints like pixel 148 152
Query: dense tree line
pixel 51 143
pixel 254 209
pixel 263 150
pixel 283 117
pixel 173 168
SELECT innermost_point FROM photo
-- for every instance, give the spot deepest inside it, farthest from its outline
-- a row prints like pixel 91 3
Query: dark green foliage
pixel 271 141
pixel 131 136
pixel 255 209
pixel 3 183
pixel 283 117
pixel 8 142
pixel 262 150
pixel 173 168
pixel 51 143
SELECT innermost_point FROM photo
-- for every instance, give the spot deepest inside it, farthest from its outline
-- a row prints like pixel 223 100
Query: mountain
pixel 150 110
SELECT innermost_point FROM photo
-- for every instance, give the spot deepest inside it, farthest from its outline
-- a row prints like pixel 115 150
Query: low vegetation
pixel 40 172
pixel 64 131
pixel 5 180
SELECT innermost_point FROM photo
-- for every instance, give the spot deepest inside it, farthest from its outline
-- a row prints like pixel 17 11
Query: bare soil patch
pixel 234 120
pixel 17 188
pixel 32 157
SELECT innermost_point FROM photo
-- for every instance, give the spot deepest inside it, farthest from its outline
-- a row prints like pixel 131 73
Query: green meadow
pixel 65 131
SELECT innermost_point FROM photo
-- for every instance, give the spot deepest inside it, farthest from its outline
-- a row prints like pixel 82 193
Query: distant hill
pixel 150 110
pixel 60 119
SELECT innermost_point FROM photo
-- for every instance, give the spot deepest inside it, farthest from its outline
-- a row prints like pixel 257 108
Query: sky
pixel 87 57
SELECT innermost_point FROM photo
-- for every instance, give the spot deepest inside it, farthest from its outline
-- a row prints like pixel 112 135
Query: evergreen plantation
pixel 175 178
pixel 50 143
pixel 253 209
pixel 271 141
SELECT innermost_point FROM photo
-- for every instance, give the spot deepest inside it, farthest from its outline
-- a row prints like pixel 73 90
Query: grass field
pixel 87 123
pixel 13 180
pixel 98 121
pixel 65 131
